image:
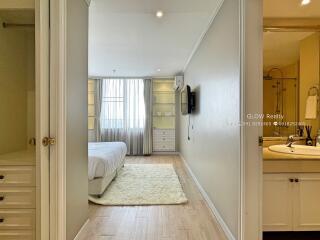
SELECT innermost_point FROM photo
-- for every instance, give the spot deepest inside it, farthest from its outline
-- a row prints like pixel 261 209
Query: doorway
pixel 291 120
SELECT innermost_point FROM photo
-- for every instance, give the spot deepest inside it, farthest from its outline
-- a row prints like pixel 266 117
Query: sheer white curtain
pixel 122 116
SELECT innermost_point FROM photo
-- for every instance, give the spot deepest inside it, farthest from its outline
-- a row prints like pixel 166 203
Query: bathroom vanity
pixel 291 191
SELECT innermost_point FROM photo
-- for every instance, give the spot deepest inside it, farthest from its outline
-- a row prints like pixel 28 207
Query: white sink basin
pixel 296 149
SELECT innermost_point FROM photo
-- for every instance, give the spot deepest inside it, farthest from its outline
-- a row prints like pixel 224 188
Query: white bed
pixel 105 160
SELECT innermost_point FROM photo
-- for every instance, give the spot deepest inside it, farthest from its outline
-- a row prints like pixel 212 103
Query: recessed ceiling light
pixel 158 69
pixel 305 2
pixel 159 14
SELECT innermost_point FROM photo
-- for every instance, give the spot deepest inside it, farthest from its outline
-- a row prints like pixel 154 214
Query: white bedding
pixel 105 158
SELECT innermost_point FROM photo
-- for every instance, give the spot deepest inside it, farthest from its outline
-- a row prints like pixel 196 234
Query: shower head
pixel 269 77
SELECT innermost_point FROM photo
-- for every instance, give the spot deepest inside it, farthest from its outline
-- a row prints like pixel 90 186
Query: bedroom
pixel 138 53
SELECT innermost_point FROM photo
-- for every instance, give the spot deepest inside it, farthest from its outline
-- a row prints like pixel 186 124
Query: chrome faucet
pixel 290 141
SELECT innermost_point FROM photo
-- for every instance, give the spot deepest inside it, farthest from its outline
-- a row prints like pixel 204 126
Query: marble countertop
pixel 271 156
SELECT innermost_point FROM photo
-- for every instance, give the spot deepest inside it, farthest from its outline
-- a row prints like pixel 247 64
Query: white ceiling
pixel 290 9
pixel 126 36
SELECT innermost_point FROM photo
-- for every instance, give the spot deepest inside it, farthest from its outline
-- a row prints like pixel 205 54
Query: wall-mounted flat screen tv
pixel 187 100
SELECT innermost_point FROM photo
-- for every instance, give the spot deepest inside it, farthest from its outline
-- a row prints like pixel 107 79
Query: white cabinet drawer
pixel 16 235
pixel 164 143
pixel 169 145
pixel 17 219
pixel 17 197
pixel 164 139
pixel 22 176
pixel 166 132
pixel 163 147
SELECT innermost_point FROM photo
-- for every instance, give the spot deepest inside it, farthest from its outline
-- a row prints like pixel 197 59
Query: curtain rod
pixel 9 25
pixel 315 28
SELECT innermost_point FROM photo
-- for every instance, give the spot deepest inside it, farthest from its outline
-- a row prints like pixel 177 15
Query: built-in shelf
pixel 164 124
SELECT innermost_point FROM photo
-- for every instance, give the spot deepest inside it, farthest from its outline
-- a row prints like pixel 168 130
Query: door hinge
pixel 260 141
pixel 46 141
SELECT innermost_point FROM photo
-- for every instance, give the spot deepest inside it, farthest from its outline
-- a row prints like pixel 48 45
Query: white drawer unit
pixel 17 201
pixel 164 140
pixel 17 197
pixel 17 235
pixel 22 176
pixel 17 219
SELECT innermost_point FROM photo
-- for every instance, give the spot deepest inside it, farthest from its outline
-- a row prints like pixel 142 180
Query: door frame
pixel 58 120
pixel 58 53
pixel 251 47
pixel 42 116
pixel 250 220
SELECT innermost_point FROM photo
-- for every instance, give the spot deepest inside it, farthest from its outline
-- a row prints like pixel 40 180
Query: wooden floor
pixel 191 221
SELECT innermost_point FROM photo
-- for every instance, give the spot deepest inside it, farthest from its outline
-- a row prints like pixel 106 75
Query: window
pixel 113 104
pixel 91 104
pixel 123 104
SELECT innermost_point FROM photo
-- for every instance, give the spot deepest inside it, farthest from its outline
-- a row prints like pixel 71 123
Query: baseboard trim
pixel 214 211
pixel 82 230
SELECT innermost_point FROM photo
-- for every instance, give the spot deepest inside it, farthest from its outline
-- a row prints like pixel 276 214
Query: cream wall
pixel 16 82
pixel 213 152
pixel 309 74
pixel 77 117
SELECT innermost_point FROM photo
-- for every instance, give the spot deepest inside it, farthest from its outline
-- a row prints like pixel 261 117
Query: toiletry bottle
pixel 309 141
pixel 318 139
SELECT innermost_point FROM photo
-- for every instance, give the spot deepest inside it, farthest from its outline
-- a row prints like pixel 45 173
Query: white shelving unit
pixel 164 115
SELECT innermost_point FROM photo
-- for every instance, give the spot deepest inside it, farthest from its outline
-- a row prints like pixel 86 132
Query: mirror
pixel 291 74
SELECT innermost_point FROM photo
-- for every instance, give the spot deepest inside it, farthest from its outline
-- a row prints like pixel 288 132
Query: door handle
pixel 46 141
pixel 1 198
pixel 260 141
pixel 296 180
pixel 1 220
pixel 1 177
pixel 291 180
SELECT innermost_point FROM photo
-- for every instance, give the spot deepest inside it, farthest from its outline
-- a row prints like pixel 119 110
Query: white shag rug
pixel 143 184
